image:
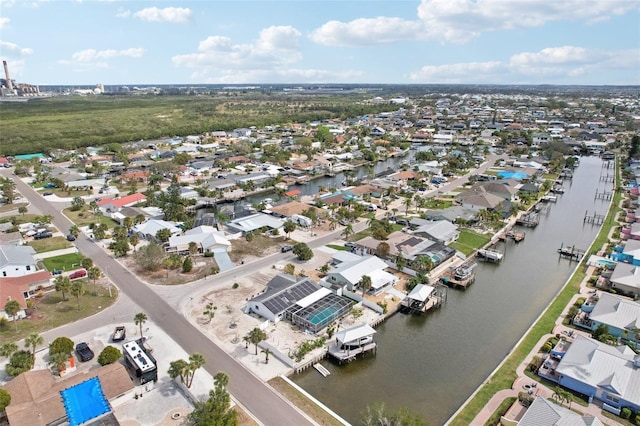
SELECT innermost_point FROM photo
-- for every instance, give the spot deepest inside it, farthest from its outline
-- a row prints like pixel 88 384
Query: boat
pixel 550 198
pixel 462 273
pixel 557 190
pixel 490 255
pixel 119 334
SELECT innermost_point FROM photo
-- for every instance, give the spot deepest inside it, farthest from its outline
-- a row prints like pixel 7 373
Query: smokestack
pixel 6 73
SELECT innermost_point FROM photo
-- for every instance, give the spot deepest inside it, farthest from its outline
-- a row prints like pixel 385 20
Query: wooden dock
pixel 529 220
pixel 604 195
pixel 595 218
pixel 459 277
pixel 513 235
pixel 348 354
pixel 571 252
pixel 607 178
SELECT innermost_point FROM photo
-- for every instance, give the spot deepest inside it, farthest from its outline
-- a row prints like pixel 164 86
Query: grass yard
pixel 469 241
pixel 19 218
pixel 64 262
pixel 9 207
pixel 305 404
pixel 337 247
pixel 85 218
pixel 49 244
pixel 437 204
pixel 50 311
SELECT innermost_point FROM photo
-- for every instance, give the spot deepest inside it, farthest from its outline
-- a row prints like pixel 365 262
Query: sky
pixel 85 42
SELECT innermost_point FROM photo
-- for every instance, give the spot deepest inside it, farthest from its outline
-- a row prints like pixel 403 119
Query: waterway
pixel 431 364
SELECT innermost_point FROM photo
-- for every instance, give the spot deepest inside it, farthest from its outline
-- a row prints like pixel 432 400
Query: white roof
pixel 353 271
pixel 355 333
pixel 545 412
pixel 602 366
pixel 380 278
pixel 421 292
pixel 632 247
pixel 313 297
pixel 256 221
pixel 616 312
pixel 16 255
pixel 151 227
pixel 626 274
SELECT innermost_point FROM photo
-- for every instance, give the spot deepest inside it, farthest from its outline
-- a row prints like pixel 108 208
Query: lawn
pixel 435 203
pixel 64 262
pixel 19 218
pixel 469 241
pixel 85 218
pixel 305 404
pixel 338 247
pixel 14 206
pixel 49 244
pixel 51 311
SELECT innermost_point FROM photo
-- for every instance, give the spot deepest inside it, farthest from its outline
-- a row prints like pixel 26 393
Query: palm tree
pixel 74 230
pixel 77 290
pixel 32 341
pixel 62 284
pixel 22 210
pixel 347 231
pixel 266 352
pixel 11 308
pixel 333 223
pixel 289 227
pixel 365 283
pixel 139 319
pixel 94 273
pixel 256 336
pixel 196 361
pixel 134 240
pixel 408 202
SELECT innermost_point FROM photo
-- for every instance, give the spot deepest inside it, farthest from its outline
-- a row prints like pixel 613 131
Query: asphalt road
pixel 269 407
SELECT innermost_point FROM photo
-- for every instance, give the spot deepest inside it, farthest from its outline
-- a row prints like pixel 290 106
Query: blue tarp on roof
pixel 84 401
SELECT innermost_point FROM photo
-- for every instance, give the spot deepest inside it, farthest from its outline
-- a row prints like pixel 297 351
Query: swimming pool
pixel 512 175
pixel 324 316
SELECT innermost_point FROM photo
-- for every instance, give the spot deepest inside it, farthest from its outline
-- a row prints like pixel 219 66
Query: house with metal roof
pixel 610 374
pixel 150 228
pixel 441 230
pixel 16 261
pixel 626 278
pixel 544 412
pixel 348 274
pixel 254 222
pixel 207 240
pixel 620 315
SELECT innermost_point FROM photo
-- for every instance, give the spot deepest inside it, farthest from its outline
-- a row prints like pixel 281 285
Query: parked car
pixel 285 249
pixel 350 244
pixel 343 222
pixel 84 352
pixel 41 235
pixel 119 333
pixel 71 237
pixel 44 194
pixel 80 273
pixel 49 185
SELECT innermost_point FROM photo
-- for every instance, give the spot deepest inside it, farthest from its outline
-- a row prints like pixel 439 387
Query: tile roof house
pixel 111 205
pixel 35 395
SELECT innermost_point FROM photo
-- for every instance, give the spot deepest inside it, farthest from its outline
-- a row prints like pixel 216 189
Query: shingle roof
pixel 16 255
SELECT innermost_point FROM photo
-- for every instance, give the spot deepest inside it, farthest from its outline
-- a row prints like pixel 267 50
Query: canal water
pixel 431 364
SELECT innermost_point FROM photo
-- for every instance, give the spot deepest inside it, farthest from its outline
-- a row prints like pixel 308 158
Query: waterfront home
pixel 353 341
pixel 255 222
pixel 630 253
pixel 608 373
pixel 451 214
pixel 420 299
pixel 626 278
pixel 299 300
pixel 442 230
pixel 620 315
pixel 544 411
pixel 478 200
pixel 349 274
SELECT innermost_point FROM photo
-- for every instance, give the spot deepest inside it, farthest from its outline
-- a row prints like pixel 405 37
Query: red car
pixel 78 274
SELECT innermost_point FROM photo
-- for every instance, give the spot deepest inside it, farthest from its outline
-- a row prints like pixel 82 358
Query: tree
pixel 288 227
pixel 20 362
pixel 77 290
pixel 22 210
pixel 32 341
pixel 187 265
pixel 210 311
pixel 94 273
pixel 134 240
pixel 217 409
pixel 120 246
pixel 100 231
pixel 139 319
pixel 266 352
pixel 8 188
pixel 109 355
pixel 193 248
pixel 6 349
pixel 5 399
pixel 57 361
pixel 163 235
pixel 61 345
pixel 196 361
pixel 382 250
pixel 127 223
pixel 365 283
pixel 178 368
pixel 11 308
pixel 408 202
pixel 77 203
pixel 324 269
pixel 289 269
pixel 347 231
pixel 63 284
pixel 256 336
pixel 150 257
pixel 74 230
pixel 303 251
pixel 86 263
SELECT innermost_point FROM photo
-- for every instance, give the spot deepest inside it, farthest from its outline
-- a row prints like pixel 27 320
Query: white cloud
pixel 276 46
pixel 176 15
pixel 554 65
pixel 367 31
pixel 4 22
pixel 4 4
pixel 123 13
pixel 463 20
pixel 10 49
pixel 89 55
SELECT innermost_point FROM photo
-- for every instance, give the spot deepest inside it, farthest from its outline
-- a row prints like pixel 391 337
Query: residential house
pixel 607 373
pixel 281 293
pixel 442 230
pixel 255 222
pixel 451 214
pixel 348 274
pixel 207 240
pixel 630 253
pixel 479 200
pixel 22 288
pixel 16 261
pixel 626 278
pixel 620 315
pixel 11 238
pixel 150 228
pixel 112 205
pixel 545 412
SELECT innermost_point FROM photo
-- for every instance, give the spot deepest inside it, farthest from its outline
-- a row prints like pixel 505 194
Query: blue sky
pixel 321 41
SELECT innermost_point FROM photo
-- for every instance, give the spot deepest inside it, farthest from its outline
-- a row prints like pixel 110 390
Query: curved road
pixel 269 407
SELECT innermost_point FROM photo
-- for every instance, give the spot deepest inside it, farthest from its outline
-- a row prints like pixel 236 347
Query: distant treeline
pixel 70 122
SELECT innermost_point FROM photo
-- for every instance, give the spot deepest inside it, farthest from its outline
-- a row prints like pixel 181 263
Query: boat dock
pixel 595 218
pixel 604 195
pixel 549 199
pixel 423 298
pixel 529 220
pixel 459 276
pixel 571 252
pixel 490 255
pixel 515 236
pixel 352 342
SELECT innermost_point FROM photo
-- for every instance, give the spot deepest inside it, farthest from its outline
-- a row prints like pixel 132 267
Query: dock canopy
pixel 354 334
pixel 420 292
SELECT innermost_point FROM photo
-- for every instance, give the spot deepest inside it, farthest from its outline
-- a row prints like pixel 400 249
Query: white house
pixel 350 273
pixel 150 228
pixel 16 261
